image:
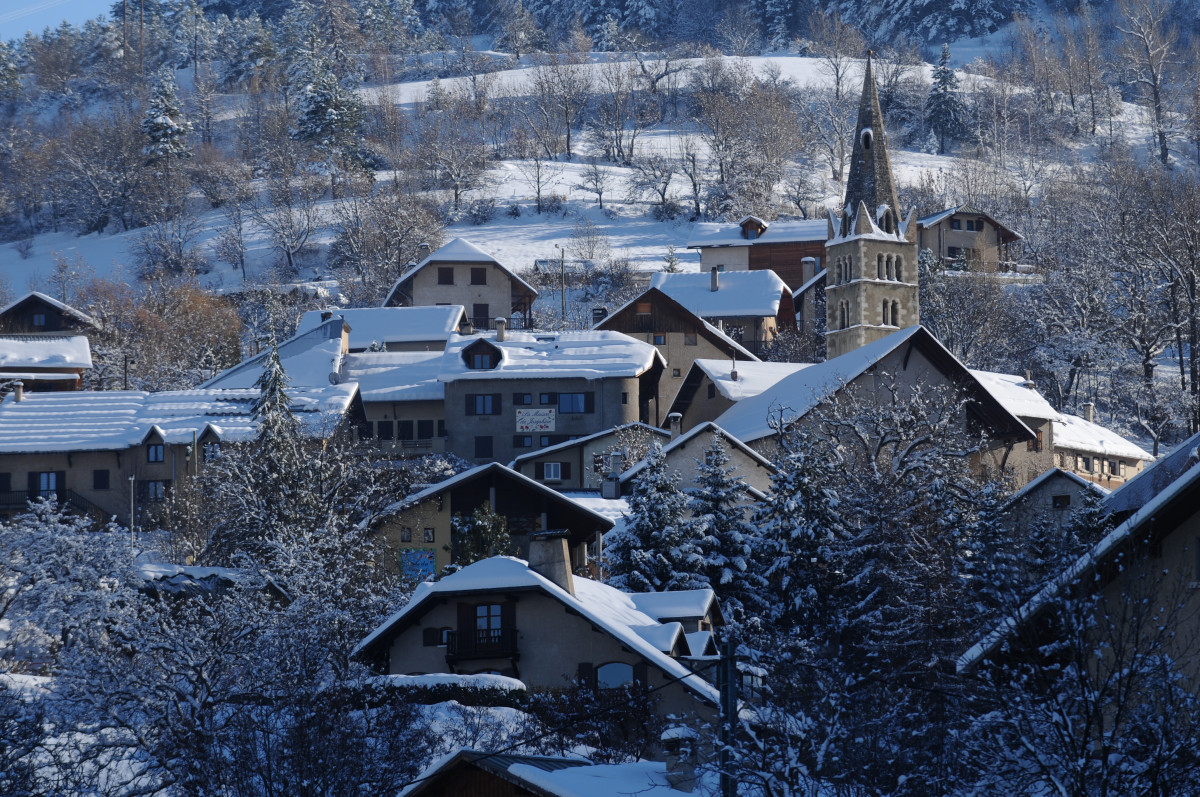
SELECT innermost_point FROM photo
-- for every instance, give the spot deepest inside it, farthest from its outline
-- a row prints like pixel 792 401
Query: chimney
pixel 501 324
pixel 681 757
pixel 599 314
pixel 423 249
pixel 1089 412
pixel 674 422
pixel 465 327
pixel 550 558
pixel 713 279
pixel 808 267
pixel 326 315
pixel 733 370
pixel 18 391
pixel 611 486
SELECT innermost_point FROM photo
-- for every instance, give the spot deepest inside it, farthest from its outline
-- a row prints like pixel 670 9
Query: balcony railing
pixel 486 643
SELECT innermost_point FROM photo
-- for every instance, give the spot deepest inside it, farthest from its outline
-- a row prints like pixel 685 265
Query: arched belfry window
pixel 879 267
pixel 899 267
pixel 895 314
pixel 884 315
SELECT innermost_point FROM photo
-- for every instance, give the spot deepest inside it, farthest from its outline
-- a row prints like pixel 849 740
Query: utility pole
pixel 132 480
pixel 562 266
pixel 728 682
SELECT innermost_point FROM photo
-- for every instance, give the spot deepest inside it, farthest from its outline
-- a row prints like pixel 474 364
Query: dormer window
pixel 154 452
pixel 481 356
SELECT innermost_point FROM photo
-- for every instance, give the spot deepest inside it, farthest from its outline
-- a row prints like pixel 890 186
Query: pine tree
pixel 944 110
pixel 273 407
pixel 330 114
pixel 655 551
pixel 671 261
pixel 723 535
pixel 776 23
pixel 164 123
pixel 10 80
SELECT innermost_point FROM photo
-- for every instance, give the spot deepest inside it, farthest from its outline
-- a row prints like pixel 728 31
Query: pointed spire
pixel 870 180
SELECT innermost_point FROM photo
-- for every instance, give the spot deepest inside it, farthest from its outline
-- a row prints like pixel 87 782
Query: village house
pixel 752 307
pixel 966 235
pixel 687 452
pixel 108 453
pixel 461 273
pixel 512 392
pixel 1097 454
pixel 539 623
pixel 713 386
pixel 680 335
pixel 1051 498
pixel 1146 572
pixel 795 250
pixel 418 530
pixel 583 463
pixel 44 344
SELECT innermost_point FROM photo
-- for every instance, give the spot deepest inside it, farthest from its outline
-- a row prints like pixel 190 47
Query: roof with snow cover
pixel 308 358
pixel 1077 434
pixel 1154 478
pixel 79 315
pixel 117 419
pixel 396 375
pixel 803 391
pixel 707 234
pixel 391 324
pixel 608 609
pixel 753 378
pixel 596 354
pixel 541 452
pixel 44 351
pixel 738 293
pixel 707 428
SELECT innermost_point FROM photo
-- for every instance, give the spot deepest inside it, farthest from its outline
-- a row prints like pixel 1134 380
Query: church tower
pixel 870 254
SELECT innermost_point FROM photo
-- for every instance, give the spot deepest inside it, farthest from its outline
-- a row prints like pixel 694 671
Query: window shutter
pixel 585 675
pixel 566 470
pixel 508 616
pixel 61 483
pixel 429 637
pixel 641 673
pixel 496 403
pixel 470 404
pixel 589 401
pixel 33 485
pixel 466 625
pixel 539 471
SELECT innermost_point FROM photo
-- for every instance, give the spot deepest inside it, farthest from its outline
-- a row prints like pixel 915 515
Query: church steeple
pixel 870 182
pixel 871 255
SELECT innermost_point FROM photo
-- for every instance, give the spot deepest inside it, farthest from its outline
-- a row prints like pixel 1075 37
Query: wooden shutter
pixel 508 617
pixel 33 486
pixel 466 627
pixel 539 471
pixel 566 470
pixel 495 403
pixel 641 673
pixel 589 401
pixel 470 410
pixel 585 675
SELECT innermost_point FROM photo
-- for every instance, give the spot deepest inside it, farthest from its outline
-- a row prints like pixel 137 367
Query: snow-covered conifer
pixel 944 110
pixel 722 532
pixel 164 123
pixel 655 551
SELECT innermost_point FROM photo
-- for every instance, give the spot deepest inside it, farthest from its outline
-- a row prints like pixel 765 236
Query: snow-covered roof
pixel 391 324
pixel 1099 553
pixel 595 354
pixel 541 452
pixel 479 470
pixel 615 510
pixel 1077 434
pixel 753 378
pixel 459 250
pixel 707 234
pixel 44 351
pixel 738 293
pixel 676 604
pixel 706 429
pixel 396 375
pixel 803 391
pixel 309 358
pixel 117 419
pixel 546 776
pixel 1017 395
pixel 1155 477
pixel 605 607
pixel 472 681
pixel 50 300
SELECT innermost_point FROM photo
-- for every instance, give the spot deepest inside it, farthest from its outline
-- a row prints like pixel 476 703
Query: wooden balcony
pixel 492 643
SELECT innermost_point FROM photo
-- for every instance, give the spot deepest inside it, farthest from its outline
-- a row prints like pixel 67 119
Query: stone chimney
pixel 674 422
pixel 326 315
pixel 18 391
pixel 611 486
pixel 1089 412
pixel 550 558
pixel 714 280
pixel 465 327
pixel 733 371
pixel 681 758
pixel 501 329
pixel 423 249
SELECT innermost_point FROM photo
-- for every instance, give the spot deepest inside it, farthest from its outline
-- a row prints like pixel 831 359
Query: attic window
pixel 642 308
pixel 39 319
pixel 481 356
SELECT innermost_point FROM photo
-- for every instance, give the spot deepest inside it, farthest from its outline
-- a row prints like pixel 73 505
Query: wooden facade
pixel 787 259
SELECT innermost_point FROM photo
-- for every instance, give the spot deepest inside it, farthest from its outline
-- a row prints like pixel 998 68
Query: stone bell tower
pixel 870 254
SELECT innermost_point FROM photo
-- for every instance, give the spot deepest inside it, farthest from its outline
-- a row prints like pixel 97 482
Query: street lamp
pixel 562 265
pixel 131 523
